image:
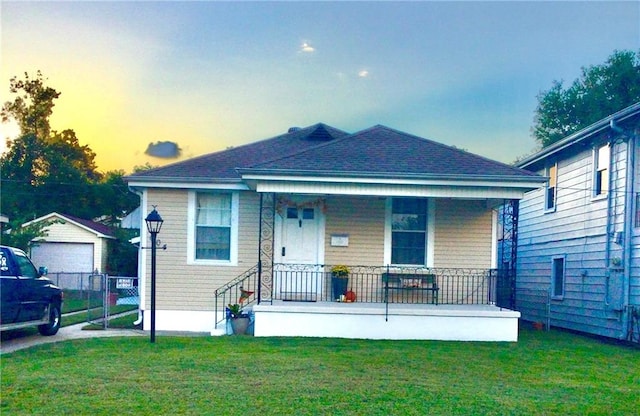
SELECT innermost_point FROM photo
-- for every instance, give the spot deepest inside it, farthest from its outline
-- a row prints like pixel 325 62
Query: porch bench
pixel 411 281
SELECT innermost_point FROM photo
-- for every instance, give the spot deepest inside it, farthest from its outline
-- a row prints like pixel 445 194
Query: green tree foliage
pixel 15 235
pixel 45 170
pixel 600 91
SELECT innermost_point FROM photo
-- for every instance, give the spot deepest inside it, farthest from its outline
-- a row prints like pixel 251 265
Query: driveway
pixel 64 334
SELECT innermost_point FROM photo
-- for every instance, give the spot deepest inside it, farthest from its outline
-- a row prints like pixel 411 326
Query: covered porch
pixel 415 303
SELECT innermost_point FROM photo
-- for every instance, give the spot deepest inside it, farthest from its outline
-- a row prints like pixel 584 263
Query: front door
pixel 298 250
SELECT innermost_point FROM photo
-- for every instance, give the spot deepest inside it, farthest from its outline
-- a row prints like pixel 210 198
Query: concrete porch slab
pixel 374 321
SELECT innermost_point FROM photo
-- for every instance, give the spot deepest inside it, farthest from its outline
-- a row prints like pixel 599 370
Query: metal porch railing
pixel 456 286
pixel 243 289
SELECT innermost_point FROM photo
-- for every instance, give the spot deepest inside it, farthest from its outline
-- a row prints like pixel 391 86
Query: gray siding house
pixel 578 244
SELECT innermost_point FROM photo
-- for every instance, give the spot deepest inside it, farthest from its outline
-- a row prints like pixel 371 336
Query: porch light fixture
pixel 154 223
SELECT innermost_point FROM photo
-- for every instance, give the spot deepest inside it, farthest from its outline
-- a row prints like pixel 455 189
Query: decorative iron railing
pixel 385 284
pixel 242 290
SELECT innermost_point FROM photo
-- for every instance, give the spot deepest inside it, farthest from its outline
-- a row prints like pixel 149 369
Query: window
pixel 557 278
pixel 550 195
pixel 601 171
pixel 637 208
pixel 408 231
pixel 214 229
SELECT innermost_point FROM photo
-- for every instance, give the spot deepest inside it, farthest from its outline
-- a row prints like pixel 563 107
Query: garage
pixel 63 257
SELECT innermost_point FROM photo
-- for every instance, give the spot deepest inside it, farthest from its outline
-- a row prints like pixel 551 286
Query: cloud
pixel 165 150
pixel 307 48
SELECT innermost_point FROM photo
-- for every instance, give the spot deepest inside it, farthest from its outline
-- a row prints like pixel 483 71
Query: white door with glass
pixel 298 248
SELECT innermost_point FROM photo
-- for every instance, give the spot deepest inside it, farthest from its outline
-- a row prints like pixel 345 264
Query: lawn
pixel 544 373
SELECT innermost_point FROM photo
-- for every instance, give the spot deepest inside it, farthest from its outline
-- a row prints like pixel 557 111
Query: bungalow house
pixel 72 244
pixel 414 221
pixel 578 245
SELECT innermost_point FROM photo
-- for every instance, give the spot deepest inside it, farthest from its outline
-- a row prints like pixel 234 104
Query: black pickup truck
pixel 27 298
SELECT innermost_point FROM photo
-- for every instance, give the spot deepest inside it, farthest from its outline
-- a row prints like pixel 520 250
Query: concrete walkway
pixel 64 334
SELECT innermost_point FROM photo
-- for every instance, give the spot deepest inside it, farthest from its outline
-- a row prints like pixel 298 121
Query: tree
pixel 43 170
pixel 600 91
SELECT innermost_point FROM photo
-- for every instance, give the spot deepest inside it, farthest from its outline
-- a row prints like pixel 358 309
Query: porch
pixel 378 303
pixel 386 321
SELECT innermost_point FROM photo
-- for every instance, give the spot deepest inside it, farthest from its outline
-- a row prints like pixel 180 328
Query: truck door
pixel 33 300
pixel 9 294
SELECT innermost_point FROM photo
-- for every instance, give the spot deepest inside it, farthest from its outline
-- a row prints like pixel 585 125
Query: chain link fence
pixel 98 295
pixel 534 306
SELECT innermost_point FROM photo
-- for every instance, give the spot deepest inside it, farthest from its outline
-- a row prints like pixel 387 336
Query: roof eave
pixel 580 136
pixel 252 174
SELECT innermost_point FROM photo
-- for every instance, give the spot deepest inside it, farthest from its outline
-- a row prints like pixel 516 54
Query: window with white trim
pixel 551 188
pixel 409 231
pixel 601 170
pixel 557 277
pixel 213 226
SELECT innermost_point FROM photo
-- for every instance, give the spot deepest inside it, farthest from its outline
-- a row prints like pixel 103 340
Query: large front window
pixel 213 226
pixel 408 231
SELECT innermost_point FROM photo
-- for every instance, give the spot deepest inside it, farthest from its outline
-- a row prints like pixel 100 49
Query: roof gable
pixel 100 230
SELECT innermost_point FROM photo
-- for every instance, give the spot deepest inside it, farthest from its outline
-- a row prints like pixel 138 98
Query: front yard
pixel 544 373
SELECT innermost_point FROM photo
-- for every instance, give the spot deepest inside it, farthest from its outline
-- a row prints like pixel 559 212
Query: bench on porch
pixel 411 281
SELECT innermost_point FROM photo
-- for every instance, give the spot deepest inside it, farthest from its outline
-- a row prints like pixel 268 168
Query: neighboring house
pixel 579 236
pixel 274 216
pixel 72 245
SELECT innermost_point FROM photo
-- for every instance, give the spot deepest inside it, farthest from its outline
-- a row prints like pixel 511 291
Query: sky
pixel 140 79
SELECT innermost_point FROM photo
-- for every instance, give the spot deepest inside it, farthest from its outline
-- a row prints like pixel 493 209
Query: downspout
pixel 628 230
pixel 610 219
pixel 140 314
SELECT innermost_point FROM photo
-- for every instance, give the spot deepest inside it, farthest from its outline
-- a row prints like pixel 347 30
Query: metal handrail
pixel 235 288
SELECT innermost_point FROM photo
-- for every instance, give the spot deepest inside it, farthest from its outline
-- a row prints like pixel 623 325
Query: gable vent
pixel 320 134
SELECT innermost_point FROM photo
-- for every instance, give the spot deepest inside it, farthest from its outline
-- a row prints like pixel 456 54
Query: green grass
pixel 78 300
pixel 96 314
pixel 544 373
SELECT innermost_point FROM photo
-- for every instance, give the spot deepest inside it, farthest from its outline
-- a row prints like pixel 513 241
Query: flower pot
pixel 240 325
pixel 339 286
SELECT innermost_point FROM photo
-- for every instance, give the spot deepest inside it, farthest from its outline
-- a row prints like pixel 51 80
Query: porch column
pixel 508 254
pixel 265 250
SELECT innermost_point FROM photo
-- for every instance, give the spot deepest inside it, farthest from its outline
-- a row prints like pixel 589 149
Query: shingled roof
pixel 222 165
pixel 383 151
pixel 323 150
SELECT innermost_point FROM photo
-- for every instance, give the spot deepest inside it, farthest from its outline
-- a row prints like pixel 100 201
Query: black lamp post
pixel 154 223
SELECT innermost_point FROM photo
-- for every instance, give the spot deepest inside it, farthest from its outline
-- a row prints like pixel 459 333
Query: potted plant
pixel 339 281
pixel 238 318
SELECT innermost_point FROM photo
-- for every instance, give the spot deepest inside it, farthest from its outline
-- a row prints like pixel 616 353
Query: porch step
pixel 220 329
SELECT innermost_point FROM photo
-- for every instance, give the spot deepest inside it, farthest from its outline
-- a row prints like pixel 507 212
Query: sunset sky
pixel 209 75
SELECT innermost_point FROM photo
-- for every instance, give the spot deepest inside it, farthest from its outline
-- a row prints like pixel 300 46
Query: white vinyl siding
pixel 362 219
pixel 577 231
pixel 182 283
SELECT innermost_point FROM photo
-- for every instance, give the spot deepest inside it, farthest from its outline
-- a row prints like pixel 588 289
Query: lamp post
pixel 154 223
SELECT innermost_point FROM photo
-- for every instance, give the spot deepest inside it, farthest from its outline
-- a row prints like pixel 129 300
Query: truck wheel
pixel 54 321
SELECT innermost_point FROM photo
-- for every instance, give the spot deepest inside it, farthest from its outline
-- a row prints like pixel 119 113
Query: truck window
pixel 27 269
pixel 4 263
